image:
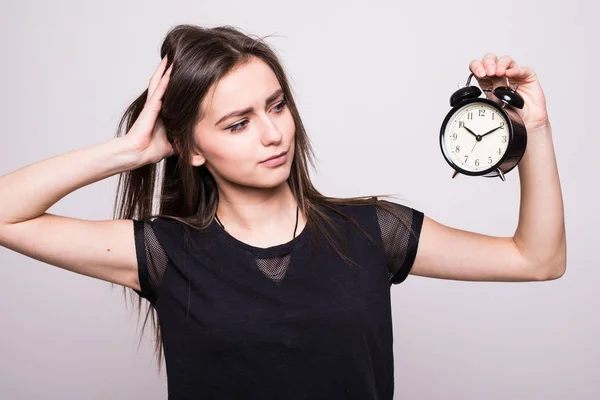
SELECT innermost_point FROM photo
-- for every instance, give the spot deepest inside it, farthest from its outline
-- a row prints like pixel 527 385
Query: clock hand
pixel 493 130
pixel 477 137
pixel 477 141
pixel 470 131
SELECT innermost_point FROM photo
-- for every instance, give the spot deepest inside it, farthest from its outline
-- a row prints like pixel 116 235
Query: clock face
pixel 476 137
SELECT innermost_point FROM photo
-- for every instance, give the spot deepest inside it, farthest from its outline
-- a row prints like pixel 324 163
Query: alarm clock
pixel 481 137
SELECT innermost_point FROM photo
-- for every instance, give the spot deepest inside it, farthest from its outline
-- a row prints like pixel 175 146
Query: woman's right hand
pixel 147 134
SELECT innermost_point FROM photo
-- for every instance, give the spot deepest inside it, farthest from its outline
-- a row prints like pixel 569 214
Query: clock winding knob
pixel 509 96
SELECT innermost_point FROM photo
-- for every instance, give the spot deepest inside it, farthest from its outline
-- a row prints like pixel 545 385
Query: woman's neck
pixel 263 212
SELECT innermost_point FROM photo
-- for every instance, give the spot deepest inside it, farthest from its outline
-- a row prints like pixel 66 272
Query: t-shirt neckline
pixel 262 252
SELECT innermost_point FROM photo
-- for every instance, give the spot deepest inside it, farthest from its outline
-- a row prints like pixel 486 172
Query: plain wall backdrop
pixel 372 81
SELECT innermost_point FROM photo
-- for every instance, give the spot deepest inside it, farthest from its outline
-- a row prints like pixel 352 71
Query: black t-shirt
pixel 291 321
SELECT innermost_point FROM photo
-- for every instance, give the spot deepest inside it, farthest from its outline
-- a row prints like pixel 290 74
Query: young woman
pixel 264 288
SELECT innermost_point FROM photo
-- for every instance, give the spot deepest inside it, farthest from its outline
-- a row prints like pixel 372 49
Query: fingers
pixel 521 75
pixel 155 100
pixel 153 104
pixel 156 77
pixel 477 68
pixel 490 67
pixel 489 63
pixel 504 63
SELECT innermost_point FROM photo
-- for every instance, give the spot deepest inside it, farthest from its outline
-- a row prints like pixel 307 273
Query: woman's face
pixel 245 120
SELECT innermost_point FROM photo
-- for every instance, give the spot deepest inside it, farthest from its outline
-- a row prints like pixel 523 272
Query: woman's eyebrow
pixel 238 113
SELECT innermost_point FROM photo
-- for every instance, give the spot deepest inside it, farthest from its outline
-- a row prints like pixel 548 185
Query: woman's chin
pixel 272 180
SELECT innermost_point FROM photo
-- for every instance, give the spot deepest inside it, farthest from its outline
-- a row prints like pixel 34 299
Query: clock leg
pixel 454 174
pixel 501 174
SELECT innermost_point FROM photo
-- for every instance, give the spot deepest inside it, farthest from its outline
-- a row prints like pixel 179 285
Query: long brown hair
pixel 200 58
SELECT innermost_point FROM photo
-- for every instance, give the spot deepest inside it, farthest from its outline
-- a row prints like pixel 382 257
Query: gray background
pixel 372 82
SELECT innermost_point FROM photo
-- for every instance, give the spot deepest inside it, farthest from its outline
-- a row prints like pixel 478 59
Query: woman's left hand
pixel 492 72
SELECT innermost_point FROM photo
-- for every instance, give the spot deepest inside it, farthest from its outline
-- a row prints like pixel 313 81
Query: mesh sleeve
pixel 400 239
pixel 152 259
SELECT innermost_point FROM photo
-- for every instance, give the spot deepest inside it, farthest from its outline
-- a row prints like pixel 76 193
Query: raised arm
pixel 537 250
pixel 100 249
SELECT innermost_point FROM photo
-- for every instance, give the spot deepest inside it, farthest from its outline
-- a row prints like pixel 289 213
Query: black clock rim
pixel 461 104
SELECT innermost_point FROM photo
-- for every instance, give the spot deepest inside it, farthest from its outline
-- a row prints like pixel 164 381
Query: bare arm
pixel 28 192
pixel 100 249
pixel 537 250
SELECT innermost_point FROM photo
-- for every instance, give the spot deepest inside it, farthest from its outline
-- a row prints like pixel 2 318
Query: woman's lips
pixel 275 161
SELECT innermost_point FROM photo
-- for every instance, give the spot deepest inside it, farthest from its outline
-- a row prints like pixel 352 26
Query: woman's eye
pixel 279 107
pixel 241 125
pixel 238 127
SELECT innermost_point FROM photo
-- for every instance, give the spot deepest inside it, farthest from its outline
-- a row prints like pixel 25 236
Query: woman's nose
pixel 270 133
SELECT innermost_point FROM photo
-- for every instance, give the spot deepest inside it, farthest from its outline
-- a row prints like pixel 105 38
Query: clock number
pixel 470 115
pixel 500 150
pixel 454 136
pixel 493 116
pixel 501 125
pixel 458 149
pixel 461 124
pixel 504 139
pixel 489 160
pixel 466 158
pixel 477 162
pixel 482 113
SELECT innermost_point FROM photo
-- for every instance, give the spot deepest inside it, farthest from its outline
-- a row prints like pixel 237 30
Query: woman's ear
pixel 197 159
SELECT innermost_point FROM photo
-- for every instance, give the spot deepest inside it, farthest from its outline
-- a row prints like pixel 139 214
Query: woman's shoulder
pixel 179 234
pixel 368 207
pixel 383 216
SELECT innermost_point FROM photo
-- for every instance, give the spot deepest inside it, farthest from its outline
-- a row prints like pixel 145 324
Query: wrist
pixel 543 128
pixel 126 152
